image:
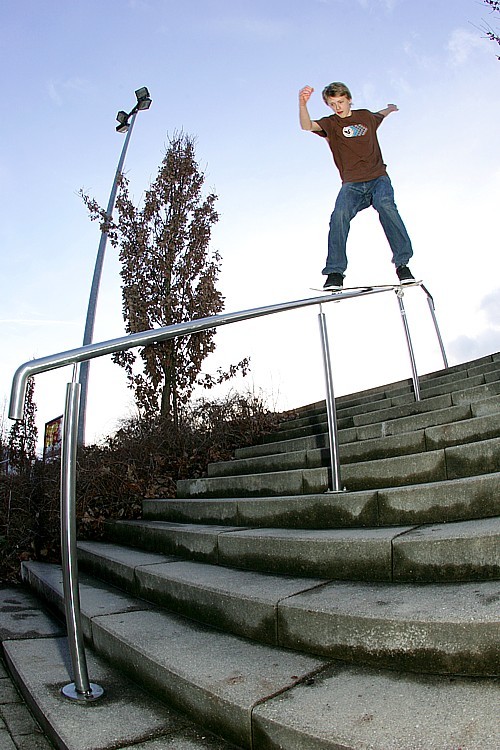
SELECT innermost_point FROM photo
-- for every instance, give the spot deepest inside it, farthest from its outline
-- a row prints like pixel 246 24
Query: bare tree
pixel 169 275
pixel 494 5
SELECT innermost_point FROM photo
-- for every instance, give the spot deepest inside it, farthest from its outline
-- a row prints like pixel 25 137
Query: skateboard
pixel 366 288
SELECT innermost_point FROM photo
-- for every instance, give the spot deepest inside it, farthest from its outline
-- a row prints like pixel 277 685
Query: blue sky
pixel 229 73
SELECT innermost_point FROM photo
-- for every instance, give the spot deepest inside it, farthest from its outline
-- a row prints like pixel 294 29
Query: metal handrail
pixel 153 336
pixel 82 689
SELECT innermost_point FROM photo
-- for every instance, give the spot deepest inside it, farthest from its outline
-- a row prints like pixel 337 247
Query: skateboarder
pixel 352 137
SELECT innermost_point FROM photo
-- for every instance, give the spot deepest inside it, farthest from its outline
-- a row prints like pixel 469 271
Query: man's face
pixel 341 105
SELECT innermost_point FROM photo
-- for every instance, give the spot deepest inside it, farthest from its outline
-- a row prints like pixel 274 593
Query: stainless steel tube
pixel 330 406
pixel 416 386
pixel 432 308
pixel 153 336
pixel 81 688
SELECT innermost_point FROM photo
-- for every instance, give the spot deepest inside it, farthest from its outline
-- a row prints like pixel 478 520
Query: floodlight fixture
pixel 124 124
pixel 143 98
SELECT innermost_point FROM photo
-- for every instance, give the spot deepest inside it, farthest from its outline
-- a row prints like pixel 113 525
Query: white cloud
pixel 250 28
pixel 36 322
pixel 389 5
pixel 491 307
pixel 54 94
pixel 461 45
pixel 415 50
pixel 139 4
pixel 58 90
pixel 465 348
pixel 485 341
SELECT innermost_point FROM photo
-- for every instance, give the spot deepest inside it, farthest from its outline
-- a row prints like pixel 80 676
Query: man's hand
pixel 305 95
pixel 305 121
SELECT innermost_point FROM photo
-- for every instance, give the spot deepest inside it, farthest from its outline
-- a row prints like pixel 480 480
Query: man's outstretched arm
pixel 387 111
pixel 305 120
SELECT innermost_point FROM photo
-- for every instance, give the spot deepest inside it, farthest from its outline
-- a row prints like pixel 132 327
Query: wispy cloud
pixel 139 4
pixel 464 347
pixel 415 51
pixel 250 28
pixel 389 5
pixel 490 305
pixel 36 322
pixel 58 90
pixel 461 45
pixel 486 341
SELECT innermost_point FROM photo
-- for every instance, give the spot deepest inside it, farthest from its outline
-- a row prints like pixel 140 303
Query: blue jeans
pixel 354 197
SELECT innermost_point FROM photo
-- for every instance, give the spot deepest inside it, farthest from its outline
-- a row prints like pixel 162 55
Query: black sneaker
pixel 334 281
pixel 405 275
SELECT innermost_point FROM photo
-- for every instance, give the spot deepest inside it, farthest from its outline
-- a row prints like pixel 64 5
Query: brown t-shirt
pixel 354 144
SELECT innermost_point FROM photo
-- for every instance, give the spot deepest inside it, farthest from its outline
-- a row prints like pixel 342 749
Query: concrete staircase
pixel 277 615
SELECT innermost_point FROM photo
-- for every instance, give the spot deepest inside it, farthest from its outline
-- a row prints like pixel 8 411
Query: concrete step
pixel 467 431
pixel 393 424
pixel 191 541
pixel 429 390
pixel 394 411
pixel 291 482
pixel 215 678
pixel 445 380
pixel 347 411
pixel 356 434
pixel 483 407
pixel 360 709
pixel 433 465
pixel 449 500
pixel 294 433
pixel 445 552
pixel 443 386
pixel 460 551
pixel 312 458
pixel 398 396
pixel 336 510
pixel 487 361
pixel 457 398
pixel 260 696
pixel 489 369
pixel 36 653
pixel 433 628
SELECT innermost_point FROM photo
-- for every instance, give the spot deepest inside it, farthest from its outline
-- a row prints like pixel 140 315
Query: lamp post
pixel 125 125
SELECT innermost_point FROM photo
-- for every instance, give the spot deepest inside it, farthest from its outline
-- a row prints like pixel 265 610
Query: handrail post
pixel 400 294
pixel 81 689
pixel 432 308
pixel 330 406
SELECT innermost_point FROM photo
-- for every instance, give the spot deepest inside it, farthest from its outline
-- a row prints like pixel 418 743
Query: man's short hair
pixel 336 89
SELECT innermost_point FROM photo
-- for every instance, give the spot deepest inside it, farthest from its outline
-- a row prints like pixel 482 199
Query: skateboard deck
pixel 365 288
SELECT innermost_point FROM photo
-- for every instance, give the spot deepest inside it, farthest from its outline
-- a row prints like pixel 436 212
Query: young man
pixel 352 137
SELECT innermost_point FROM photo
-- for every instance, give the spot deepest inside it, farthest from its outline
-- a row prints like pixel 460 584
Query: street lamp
pixel 126 122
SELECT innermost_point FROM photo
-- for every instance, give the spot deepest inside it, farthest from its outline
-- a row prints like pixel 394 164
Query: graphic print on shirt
pixel 353 131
